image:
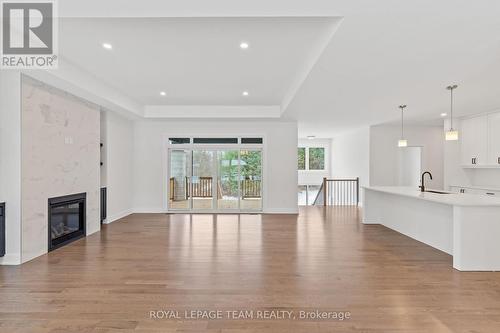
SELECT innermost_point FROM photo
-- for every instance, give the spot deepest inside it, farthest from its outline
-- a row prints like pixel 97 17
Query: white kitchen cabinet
pixel 474 141
pixel 475 190
pixel 494 139
pixel 457 189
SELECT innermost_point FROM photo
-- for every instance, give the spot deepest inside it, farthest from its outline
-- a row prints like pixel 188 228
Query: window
pixel 316 158
pixel 216 140
pixel 301 159
pixel 251 140
pixel 178 140
pixel 311 158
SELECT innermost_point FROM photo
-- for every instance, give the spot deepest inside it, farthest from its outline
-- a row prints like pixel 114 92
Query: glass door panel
pixel 202 182
pixel 251 179
pixel 178 189
pixel 227 185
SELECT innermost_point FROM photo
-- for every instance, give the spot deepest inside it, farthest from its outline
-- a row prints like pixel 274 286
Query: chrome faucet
pixel 422 186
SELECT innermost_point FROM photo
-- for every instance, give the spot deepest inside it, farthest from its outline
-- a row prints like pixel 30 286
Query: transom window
pixel 212 141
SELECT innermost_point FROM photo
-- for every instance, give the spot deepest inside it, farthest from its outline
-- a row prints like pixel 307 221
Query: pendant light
pixel 451 134
pixel 402 142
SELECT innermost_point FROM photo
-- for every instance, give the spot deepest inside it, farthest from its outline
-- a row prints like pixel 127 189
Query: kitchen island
pixel 465 226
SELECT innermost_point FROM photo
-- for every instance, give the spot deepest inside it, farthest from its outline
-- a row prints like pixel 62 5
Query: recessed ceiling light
pixel 244 45
pixel 163 93
pixel 107 46
pixel 444 114
pixel 245 93
pixel 311 137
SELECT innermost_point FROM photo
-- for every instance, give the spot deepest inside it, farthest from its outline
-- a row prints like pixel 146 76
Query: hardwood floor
pixel 323 259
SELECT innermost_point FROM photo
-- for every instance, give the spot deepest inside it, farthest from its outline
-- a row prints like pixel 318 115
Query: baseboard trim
pixel 287 211
pixel 266 211
pixel 10 259
pixel 115 217
pixel 145 210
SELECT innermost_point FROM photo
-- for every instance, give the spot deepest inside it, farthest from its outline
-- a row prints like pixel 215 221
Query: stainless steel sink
pixel 437 192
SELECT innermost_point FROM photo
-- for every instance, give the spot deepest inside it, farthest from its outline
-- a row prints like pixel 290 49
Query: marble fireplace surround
pixel 60 156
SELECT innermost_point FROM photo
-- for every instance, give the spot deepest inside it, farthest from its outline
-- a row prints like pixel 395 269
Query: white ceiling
pixel 403 53
pixel 196 61
pixel 383 53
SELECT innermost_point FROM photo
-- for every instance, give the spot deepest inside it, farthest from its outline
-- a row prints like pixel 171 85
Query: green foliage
pixel 251 168
pixel 316 158
pixel 301 163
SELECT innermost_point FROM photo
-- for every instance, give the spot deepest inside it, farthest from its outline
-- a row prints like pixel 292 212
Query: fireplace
pixel 66 219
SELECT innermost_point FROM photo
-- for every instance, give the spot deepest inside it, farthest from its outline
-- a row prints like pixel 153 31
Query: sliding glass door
pixel 227 178
pixel 251 179
pixel 215 179
pixel 179 180
pixel 202 181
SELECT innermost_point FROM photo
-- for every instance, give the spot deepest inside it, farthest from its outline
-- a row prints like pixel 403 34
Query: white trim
pixel 149 210
pixel 282 211
pixel 114 217
pixel 11 259
pixel 78 82
pixel 212 111
pixel 476 115
pixel 314 55
pixel 157 210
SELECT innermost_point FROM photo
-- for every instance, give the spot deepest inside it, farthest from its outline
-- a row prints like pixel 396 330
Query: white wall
pixel 10 163
pixel 103 147
pixel 279 160
pixel 384 153
pixel 60 156
pixel 351 155
pixel 315 177
pixel 119 151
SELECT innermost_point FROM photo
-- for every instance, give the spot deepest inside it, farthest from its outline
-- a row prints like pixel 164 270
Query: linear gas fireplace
pixel 66 219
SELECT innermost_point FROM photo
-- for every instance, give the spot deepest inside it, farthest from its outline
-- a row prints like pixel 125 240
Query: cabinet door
pixel 474 142
pixel 494 139
pixel 456 189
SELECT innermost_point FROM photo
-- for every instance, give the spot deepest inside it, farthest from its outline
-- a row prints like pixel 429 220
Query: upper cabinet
pixel 494 139
pixel 480 141
pixel 474 146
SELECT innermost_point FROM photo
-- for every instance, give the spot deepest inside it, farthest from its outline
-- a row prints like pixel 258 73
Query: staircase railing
pixel 339 192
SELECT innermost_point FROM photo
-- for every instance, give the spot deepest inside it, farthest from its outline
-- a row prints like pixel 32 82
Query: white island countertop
pixel 453 199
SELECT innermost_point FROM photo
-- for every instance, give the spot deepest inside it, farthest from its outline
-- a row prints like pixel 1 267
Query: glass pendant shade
pixel 403 143
pixel 451 135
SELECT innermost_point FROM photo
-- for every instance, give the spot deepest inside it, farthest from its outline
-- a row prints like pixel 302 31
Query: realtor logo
pixel 29 35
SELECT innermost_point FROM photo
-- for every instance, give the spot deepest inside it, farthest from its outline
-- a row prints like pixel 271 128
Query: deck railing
pixel 172 188
pixel 250 188
pixel 202 188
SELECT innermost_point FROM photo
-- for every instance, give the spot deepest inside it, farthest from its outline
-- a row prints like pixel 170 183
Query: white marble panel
pixel 60 156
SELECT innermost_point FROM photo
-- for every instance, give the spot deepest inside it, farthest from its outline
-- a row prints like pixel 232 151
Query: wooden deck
pixel 322 259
